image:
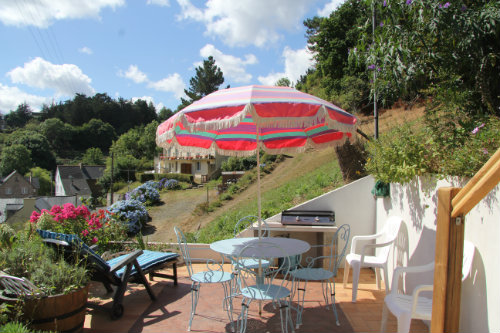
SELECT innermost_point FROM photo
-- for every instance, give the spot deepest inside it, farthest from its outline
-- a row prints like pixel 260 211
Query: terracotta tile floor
pixel 170 312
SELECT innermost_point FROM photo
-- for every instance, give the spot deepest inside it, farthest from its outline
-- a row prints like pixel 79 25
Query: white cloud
pixel 11 97
pixel 42 13
pixel 162 3
pixel 172 83
pixel 232 67
pixel 85 50
pixel 133 73
pixel 66 79
pixel 247 22
pixel 149 99
pixel 297 62
pixel 330 7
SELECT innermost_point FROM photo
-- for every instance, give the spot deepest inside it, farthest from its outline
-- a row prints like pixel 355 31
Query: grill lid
pixel 308 217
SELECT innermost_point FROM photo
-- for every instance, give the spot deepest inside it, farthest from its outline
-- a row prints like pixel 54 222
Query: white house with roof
pixel 78 180
pixel 201 166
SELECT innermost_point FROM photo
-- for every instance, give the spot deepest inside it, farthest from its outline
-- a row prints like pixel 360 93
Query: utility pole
pixel 375 111
pixel 111 183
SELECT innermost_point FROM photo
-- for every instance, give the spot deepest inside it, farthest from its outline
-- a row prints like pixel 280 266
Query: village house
pixel 201 167
pixel 16 185
pixel 79 180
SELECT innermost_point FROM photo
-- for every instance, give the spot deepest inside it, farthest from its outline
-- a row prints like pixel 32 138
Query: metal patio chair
pixel 329 260
pixel 275 287
pixel 213 273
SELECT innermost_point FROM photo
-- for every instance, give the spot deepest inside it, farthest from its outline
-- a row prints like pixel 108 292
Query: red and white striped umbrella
pixel 240 121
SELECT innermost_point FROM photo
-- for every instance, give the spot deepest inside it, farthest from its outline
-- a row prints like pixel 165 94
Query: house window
pixel 198 166
pixel 24 190
pixel 8 190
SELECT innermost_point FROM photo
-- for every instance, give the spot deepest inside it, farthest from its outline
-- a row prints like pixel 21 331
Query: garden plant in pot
pixel 57 302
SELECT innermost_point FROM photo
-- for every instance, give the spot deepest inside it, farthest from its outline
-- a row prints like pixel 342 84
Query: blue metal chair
pixel 333 254
pixel 214 273
pixel 241 226
pixel 275 286
pixel 118 271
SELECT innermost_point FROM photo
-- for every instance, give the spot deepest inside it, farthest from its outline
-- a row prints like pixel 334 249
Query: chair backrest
pixel 274 278
pixel 248 221
pixel 77 245
pixel 469 249
pixel 183 247
pixel 337 250
pixel 390 232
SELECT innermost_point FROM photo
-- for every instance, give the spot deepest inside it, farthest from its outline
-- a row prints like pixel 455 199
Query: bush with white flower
pixel 132 212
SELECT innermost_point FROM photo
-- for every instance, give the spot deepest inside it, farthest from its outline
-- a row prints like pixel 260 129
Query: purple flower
pixel 408 2
pixel 385 3
pixel 446 5
pixel 464 7
pixel 381 24
pixel 371 67
pixel 485 151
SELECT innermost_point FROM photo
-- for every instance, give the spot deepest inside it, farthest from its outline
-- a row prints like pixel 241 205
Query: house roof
pixel 78 179
pixel 35 182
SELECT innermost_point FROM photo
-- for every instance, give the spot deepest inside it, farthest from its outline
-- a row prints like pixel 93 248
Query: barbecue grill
pixel 308 217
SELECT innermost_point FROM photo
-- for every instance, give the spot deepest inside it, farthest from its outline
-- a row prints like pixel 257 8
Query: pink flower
pixel 85 233
pixel 94 240
pixel 475 130
pixel 34 217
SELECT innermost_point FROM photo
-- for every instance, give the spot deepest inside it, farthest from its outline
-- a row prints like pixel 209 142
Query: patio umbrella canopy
pixel 240 121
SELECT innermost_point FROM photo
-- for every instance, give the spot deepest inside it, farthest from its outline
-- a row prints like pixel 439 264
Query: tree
pixel 59 135
pixel 147 141
pixel 93 156
pixel 15 157
pixel 19 117
pixel 283 82
pixel 96 133
pixel 37 144
pixel 164 114
pixel 208 78
pixel 452 49
pixel 44 179
pixel 330 40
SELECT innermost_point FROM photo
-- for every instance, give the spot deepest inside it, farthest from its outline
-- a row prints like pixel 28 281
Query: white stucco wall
pixel 417 204
pixel 353 204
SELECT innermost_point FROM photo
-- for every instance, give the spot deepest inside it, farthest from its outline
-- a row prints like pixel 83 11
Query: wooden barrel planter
pixel 61 313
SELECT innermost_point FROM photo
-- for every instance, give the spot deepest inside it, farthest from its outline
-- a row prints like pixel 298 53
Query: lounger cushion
pixel 146 260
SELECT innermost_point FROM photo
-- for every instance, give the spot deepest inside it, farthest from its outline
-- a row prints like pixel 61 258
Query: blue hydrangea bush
pixel 146 193
pixel 132 212
pixel 169 184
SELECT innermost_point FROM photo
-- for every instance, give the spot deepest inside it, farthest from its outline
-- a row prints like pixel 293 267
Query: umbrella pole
pixel 259 210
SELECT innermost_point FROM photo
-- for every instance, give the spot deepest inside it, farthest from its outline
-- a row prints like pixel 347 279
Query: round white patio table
pixel 232 247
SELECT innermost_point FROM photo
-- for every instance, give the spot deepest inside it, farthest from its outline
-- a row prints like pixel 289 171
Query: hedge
pixel 144 177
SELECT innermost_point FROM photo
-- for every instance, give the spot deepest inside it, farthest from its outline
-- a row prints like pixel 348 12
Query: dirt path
pixel 179 205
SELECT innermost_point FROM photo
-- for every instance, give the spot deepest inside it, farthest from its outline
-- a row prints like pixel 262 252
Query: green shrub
pixel 442 148
pixel 30 258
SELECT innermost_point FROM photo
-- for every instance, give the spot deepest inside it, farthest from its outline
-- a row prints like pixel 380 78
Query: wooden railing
pixel 453 205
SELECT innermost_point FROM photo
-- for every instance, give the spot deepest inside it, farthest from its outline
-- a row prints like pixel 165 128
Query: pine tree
pixel 208 78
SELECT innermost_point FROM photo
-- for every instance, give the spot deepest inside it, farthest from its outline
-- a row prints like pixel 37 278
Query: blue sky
pixel 146 49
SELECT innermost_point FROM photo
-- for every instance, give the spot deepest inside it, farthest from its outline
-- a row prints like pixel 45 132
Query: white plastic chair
pixel 407 307
pixel 356 260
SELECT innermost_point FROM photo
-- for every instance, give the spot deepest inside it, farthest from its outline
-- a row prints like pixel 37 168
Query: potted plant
pixel 59 303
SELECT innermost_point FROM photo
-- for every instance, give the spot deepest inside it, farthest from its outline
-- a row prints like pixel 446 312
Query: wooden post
pixel 448 265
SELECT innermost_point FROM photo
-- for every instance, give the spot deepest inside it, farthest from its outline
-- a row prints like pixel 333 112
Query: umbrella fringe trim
pixel 245 153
